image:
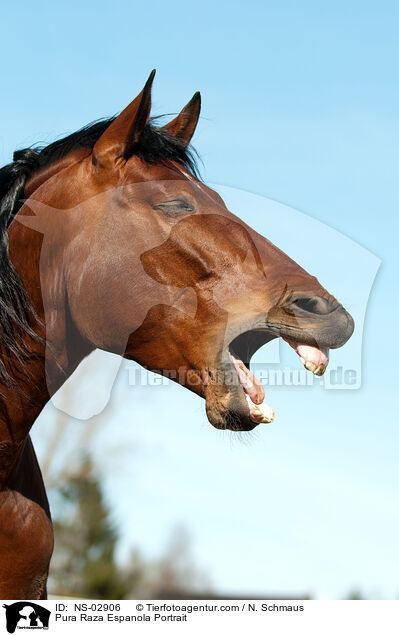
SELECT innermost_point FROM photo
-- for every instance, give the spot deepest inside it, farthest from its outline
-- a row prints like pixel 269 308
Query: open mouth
pixel 242 348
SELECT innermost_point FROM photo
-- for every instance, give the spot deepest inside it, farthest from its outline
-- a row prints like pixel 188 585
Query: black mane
pixel 16 312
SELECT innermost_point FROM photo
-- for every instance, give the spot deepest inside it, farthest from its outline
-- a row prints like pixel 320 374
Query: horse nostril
pixel 315 305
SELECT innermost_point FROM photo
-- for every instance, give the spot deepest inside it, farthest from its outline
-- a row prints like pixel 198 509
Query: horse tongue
pixel 313 358
pixel 259 412
pixel 251 385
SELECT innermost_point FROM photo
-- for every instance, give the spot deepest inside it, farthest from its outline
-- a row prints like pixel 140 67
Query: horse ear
pixel 125 131
pixel 184 125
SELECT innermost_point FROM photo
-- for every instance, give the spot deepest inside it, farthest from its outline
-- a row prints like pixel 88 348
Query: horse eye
pixel 175 208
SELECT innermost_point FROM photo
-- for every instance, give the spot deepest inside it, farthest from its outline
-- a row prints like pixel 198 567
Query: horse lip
pixel 330 331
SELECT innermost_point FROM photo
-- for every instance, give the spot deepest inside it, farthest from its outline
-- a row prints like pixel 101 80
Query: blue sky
pixel 300 105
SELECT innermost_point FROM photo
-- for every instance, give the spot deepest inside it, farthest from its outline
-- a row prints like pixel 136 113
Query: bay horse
pixel 109 239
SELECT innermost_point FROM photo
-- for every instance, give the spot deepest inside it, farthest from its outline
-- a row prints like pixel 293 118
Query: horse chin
pixel 234 397
pixel 227 409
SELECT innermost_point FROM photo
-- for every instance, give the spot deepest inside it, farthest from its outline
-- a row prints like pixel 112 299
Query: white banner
pixel 193 617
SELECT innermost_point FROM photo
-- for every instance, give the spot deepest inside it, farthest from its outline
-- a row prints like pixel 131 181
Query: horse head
pixel 141 258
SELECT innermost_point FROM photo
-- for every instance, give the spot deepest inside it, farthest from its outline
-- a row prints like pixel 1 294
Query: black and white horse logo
pixel 26 615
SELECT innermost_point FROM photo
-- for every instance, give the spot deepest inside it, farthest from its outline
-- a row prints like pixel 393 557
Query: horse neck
pixel 49 360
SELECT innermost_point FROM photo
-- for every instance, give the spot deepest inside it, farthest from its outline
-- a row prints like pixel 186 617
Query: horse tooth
pixel 310 366
pixel 263 413
pixel 267 419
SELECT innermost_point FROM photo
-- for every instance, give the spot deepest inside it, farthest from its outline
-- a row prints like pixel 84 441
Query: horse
pixel 109 239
